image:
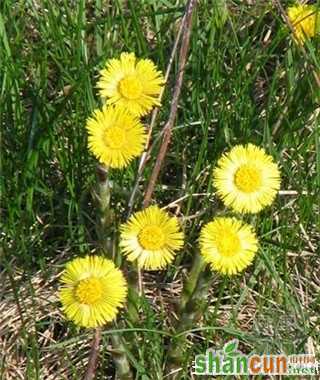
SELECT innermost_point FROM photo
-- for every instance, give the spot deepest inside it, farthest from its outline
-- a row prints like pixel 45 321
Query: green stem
pixel 133 296
pixel 120 358
pixel 192 280
pixel 106 238
pixel 190 314
pixel 105 215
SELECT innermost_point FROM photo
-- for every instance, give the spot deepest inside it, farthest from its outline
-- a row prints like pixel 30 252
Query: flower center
pixel 89 290
pixel 229 244
pixel 114 137
pixel 248 178
pixel 151 238
pixel 130 87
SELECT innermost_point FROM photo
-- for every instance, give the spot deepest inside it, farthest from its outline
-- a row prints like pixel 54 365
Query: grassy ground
pixel 245 82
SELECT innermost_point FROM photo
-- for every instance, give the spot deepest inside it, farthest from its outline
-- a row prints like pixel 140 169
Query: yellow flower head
pixel 151 237
pixel 134 84
pixel 304 19
pixel 93 290
pixel 115 136
pixel 246 178
pixel 228 245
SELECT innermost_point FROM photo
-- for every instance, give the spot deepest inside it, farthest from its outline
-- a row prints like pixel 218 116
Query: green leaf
pixel 220 13
pixel 230 347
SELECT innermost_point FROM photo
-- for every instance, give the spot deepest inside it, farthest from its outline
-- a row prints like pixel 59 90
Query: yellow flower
pixel 246 178
pixel 93 291
pixel 151 237
pixel 304 21
pixel 134 84
pixel 228 245
pixel 115 136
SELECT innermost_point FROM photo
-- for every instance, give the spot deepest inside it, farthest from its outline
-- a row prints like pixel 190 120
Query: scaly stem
pixel 120 358
pixel 133 296
pixel 93 357
pixel 105 217
pixel 105 239
pixel 191 282
pixel 190 314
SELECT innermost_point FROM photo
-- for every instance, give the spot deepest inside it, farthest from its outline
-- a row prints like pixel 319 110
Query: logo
pixel 231 361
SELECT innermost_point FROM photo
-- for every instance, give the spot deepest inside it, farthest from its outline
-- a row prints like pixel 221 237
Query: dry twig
pixel 148 148
pixel 167 130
